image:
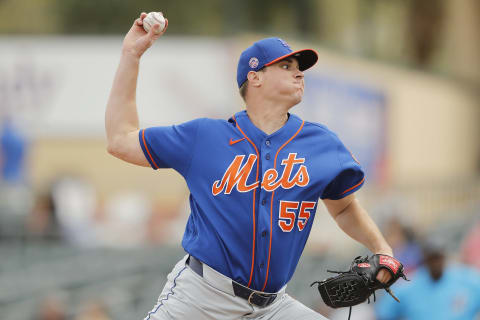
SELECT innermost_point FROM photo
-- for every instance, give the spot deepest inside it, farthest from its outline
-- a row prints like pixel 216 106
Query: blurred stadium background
pixel 85 236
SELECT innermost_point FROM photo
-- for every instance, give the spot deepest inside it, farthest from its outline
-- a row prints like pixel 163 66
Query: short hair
pixel 243 88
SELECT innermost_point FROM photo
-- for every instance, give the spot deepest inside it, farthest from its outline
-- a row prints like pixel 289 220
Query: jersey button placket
pixel 264 210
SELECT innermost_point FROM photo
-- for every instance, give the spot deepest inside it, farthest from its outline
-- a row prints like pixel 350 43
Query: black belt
pixel 259 299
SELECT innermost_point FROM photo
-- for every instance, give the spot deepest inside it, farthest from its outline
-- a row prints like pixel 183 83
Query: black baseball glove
pixel 355 286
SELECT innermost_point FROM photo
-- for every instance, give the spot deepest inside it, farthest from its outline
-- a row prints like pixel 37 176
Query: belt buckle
pixel 267 299
pixel 250 296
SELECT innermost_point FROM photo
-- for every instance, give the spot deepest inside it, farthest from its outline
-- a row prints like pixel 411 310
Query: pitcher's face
pixel 284 81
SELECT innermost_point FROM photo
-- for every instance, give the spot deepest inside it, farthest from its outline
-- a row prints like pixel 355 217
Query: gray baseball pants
pixel 187 295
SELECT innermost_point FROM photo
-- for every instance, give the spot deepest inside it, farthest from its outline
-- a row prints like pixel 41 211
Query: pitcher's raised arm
pixel 121 118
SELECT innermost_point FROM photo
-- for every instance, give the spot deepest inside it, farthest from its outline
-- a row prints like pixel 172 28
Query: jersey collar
pixel 258 136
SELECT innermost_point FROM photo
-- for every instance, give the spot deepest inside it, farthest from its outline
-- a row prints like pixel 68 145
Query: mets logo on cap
pixel 253 63
pixel 284 43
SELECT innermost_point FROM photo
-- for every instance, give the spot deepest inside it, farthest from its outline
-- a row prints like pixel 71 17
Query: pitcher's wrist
pixel 384 250
pixel 130 53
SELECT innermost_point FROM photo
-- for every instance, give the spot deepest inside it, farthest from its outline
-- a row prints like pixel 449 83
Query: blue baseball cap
pixel 268 51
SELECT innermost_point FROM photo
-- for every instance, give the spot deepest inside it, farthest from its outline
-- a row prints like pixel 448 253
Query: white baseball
pixel 153 18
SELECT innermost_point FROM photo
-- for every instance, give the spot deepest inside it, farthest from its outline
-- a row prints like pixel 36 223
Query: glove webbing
pixel 371 283
pixel 368 299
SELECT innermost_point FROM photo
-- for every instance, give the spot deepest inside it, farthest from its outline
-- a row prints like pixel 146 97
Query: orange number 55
pixel 287 213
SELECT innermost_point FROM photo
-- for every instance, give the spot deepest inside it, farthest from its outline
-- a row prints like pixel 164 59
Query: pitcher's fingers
pixel 165 27
pixel 154 31
pixel 380 276
pixel 383 276
pixel 139 21
pixel 157 32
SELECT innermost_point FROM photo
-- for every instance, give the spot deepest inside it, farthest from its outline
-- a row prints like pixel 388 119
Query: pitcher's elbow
pixel 113 148
pixel 110 149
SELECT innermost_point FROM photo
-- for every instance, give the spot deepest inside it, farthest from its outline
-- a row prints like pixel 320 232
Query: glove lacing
pixel 366 280
pixel 357 260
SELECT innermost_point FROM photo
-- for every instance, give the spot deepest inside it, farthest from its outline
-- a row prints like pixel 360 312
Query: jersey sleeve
pixel 349 176
pixel 170 146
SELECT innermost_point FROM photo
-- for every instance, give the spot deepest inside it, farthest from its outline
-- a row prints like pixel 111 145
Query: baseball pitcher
pixel 254 179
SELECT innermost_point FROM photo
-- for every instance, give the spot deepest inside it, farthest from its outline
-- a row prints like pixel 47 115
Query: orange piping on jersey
pixel 146 148
pixel 271 204
pixel 254 191
pixel 350 189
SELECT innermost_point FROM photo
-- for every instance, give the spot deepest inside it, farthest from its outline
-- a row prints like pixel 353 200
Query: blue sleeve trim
pixel 146 151
pixel 349 191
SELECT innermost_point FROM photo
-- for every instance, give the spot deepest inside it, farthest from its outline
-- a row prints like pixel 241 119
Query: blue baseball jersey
pixel 253 196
